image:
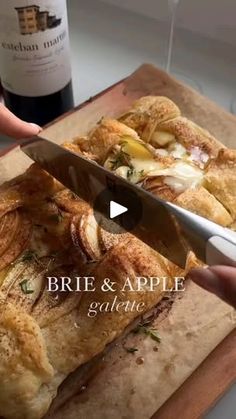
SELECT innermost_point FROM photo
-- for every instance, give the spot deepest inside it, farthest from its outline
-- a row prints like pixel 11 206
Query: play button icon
pixel 116 209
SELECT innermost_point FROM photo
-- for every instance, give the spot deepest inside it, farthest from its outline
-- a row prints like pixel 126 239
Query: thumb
pixel 14 127
pixel 220 280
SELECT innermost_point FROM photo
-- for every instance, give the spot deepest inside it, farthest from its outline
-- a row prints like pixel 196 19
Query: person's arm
pixel 220 280
pixel 14 127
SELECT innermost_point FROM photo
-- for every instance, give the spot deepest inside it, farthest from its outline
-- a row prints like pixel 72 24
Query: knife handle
pixel 220 251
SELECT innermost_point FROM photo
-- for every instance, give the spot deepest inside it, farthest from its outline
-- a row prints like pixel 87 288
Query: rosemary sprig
pixel 130 173
pixel 153 333
pixel 28 256
pixel 131 350
pixel 25 287
pixel 121 159
pixel 57 217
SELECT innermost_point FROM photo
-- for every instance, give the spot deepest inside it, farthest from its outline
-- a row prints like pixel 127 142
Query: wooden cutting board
pixel 205 386
pixel 218 371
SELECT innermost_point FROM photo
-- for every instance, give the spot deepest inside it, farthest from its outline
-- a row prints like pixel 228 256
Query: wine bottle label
pixel 34 46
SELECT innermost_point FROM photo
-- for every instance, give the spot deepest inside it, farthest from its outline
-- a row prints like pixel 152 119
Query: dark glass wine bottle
pixel 35 66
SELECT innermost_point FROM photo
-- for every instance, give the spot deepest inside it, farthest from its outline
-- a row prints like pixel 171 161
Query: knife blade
pixel 167 228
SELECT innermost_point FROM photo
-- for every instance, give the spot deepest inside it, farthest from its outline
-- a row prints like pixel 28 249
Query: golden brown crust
pixel 110 234
pixel 13 244
pixel 203 203
pixel 131 259
pixel 69 202
pixel 107 134
pixel 78 145
pixel 70 337
pixel 147 113
pixel 152 114
pixel 190 135
pixel 157 186
pixel 24 366
pixel 220 179
pixel 45 336
pixel 27 189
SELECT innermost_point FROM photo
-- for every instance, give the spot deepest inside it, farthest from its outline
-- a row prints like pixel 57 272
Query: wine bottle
pixel 35 68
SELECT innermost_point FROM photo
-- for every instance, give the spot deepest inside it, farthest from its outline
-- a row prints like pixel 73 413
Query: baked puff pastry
pixel 147 113
pixel 220 179
pixel 158 121
pixel 40 347
pixel 45 230
pixel 200 201
pixel 107 134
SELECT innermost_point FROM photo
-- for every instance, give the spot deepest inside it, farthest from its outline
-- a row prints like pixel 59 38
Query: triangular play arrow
pixel 116 209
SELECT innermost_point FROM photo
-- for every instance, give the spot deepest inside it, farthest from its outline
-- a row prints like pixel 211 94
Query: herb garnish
pixel 130 172
pixel 100 120
pixel 131 350
pixel 147 331
pixel 28 256
pixel 73 195
pixel 31 256
pixel 54 254
pixel 121 159
pixel 57 217
pixel 24 287
pixel 142 173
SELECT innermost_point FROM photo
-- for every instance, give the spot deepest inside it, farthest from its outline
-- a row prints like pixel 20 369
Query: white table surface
pixel 108 44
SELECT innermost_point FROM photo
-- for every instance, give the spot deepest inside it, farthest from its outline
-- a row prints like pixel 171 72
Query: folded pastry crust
pixel 158 121
pixel 220 179
pixel 203 203
pixel 147 113
pixel 106 135
pixel 192 137
pixel 46 344
pixel 24 365
pixel 45 230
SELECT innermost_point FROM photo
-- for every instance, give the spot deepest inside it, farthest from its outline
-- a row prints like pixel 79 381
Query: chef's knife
pixel 162 225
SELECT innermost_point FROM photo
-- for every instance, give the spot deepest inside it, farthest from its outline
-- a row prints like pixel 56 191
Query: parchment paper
pixel 197 322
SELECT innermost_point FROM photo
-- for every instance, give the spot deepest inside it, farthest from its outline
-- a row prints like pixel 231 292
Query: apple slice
pixel 85 235
pixel 110 234
pixel 135 149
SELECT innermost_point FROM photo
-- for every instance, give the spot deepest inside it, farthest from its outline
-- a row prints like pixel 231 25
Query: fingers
pixel 220 280
pixel 14 127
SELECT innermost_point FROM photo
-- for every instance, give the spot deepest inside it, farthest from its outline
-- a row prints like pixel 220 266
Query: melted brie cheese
pixel 199 156
pixel 146 166
pixel 138 167
pixel 180 176
pixel 177 150
pixel 162 152
pixel 122 171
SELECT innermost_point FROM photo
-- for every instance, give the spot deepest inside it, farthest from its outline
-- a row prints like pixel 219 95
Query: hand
pixel 220 280
pixel 14 127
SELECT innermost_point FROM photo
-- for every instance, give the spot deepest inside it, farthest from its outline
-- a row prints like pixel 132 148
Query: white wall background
pixel 214 18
